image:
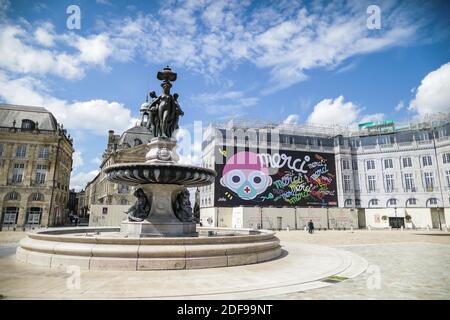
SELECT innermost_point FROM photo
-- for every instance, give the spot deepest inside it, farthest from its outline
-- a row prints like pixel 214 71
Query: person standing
pixel 310 226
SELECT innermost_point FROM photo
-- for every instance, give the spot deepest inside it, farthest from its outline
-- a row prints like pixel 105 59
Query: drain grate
pixel 334 279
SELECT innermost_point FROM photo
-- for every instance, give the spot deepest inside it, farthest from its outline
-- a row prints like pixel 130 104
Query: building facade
pixel 35 167
pixel 102 196
pixel 382 175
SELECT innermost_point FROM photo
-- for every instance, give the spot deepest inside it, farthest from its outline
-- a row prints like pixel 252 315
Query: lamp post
pixel 439 218
pixel 396 221
pixel 328 219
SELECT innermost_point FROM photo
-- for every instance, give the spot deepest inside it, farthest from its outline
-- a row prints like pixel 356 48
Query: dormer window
pixel 137 142
pixel 28 124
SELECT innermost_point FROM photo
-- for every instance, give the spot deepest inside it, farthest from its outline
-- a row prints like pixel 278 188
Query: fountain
pixel 163 207
pixel 160 231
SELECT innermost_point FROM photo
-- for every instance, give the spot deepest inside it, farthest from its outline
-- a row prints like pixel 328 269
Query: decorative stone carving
pixel 182 206
pixel 141 209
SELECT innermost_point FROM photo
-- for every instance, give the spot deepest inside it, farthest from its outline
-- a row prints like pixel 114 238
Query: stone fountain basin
pixel 161 173
pixel 104 248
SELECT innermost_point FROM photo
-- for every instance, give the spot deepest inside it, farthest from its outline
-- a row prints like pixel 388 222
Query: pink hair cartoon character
pixel 245 175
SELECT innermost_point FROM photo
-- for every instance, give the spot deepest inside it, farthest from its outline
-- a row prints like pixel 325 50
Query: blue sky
pixel 281 61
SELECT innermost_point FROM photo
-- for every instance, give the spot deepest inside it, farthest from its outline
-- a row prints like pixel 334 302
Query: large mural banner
pixel 282 178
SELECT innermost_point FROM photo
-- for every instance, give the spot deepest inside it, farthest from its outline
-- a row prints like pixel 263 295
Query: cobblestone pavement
pixel 402 264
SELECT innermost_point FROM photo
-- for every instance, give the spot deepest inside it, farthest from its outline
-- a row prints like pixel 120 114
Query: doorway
pixel 279 223
pixel 397 222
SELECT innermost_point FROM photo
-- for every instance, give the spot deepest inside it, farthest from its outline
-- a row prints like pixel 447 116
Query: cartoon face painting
pixel 245 175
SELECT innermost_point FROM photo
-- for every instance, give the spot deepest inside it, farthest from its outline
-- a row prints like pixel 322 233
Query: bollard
pixel 401 228
pixel 306 229
pixel 351 229
pixel 428 228
pixel 287 228
pixel 370 229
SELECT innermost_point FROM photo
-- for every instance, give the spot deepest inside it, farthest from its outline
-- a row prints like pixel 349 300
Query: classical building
pixel 281 176
pixel 103 196
pixel 35 166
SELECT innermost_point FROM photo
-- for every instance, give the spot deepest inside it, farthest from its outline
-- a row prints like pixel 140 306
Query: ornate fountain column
pixel 162 207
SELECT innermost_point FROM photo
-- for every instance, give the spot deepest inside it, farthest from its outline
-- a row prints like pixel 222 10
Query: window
pixel 355 165
pixel 389 182
pixel 447 177
pixel 370 164
pixel 34 215
pixel 407 163
pixel 137 142
pixel 445 156
pixel 10 215
pixel 373 202
pixel 13 196
pixel 28 124
pixel 347 186
pixel 345 165
pixel 371 183
pixel 409 182
pixel 348 202
pixel 432 201
pixel 37 197
pixel 426 161
pixel 43 153
pixel 388 164
pixel 429 181
pixel 412 201
pixel 123 188
pixel 21 151
pixel 18 172
pixel 357 202
pixel 1 149
pixel 41 170
pixel 392 202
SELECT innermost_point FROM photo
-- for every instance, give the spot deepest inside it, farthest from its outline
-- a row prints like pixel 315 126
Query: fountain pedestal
pixel 161 220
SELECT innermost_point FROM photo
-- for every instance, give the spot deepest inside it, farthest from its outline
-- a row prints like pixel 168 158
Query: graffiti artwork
pixel 283 178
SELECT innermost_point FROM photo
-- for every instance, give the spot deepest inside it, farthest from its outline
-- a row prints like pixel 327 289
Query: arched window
pixel 391 202
pixel 36 197
pixel 411 202
pixel 373 203
pixel 358 202
pixel 432 202
pixel 12 196
pixel 28 124
pixel 137 142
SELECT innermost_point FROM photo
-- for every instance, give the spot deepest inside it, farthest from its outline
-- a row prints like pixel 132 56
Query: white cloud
pixel 210 36
pixel 224 103
pixel 77 159
pixel 329 111
pixel 339 112
pixel 400 105
pixel 44 35
pixel 79 180
pixel 291 119
pixel 433 93
pixel 98 116
pixel 96 161
pixel 19 57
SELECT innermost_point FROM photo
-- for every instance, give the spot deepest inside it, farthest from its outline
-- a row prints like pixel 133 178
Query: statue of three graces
pixel 164 111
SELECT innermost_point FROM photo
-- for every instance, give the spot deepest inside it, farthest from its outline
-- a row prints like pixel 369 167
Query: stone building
pixel 383 175
pixel 35 166
pixel 130 146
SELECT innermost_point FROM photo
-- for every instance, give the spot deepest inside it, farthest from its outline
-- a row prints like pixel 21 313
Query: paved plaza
pixel 384 265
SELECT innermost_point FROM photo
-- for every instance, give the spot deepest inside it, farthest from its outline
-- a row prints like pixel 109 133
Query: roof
pixel 10 113
pixel 138 132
